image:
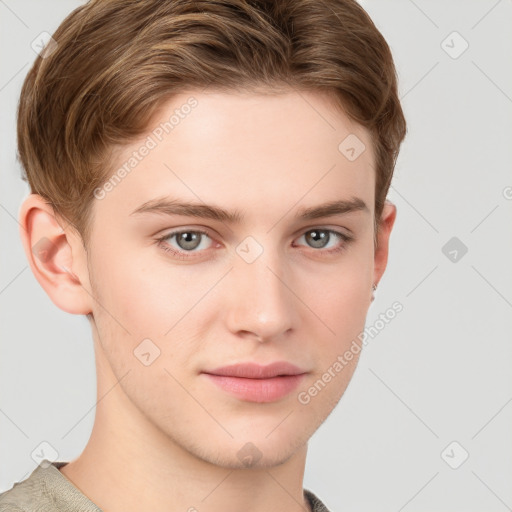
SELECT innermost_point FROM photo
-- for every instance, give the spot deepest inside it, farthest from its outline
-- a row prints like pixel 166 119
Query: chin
pixel 257 451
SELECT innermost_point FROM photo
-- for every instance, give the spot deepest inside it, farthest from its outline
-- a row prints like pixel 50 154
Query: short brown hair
pixel 117 61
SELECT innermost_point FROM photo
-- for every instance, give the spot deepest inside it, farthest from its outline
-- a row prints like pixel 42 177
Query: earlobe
pixel 55 255
pixel 386 222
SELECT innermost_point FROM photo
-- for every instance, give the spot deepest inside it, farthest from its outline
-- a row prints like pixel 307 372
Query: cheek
pixel 343 299
pixel 147 298
pixel 127 299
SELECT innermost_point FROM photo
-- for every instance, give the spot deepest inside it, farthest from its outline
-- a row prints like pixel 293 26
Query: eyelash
pixel 346 239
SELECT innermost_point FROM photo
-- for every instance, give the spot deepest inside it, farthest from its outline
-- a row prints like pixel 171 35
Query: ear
pixel 56 255
pixel 384 228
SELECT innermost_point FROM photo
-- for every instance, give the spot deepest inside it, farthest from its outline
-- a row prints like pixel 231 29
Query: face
pixel 264 275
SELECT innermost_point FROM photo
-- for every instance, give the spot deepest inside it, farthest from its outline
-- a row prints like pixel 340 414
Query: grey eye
pixel 188 240
pixel 318 237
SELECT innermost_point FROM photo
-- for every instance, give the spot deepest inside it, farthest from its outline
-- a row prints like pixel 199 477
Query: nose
pixel 261 300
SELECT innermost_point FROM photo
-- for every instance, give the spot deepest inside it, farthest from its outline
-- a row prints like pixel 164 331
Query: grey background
pixel 439 372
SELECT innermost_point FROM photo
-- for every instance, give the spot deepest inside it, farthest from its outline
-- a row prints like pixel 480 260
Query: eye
pixel 186 240
pixel 319 238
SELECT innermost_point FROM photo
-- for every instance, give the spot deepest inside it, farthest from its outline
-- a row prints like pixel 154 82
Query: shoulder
pixel 12 499
pixel 5 507
pixel 46 490
pixel 19 498
pixel 29 495
pixel 316 504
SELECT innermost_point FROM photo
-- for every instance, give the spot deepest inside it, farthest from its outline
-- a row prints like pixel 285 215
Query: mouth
pixel 255 383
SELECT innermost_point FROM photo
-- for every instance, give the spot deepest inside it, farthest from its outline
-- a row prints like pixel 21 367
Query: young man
pixel 209 187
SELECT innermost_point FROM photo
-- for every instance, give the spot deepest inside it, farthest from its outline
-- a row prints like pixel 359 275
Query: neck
pixel 130 464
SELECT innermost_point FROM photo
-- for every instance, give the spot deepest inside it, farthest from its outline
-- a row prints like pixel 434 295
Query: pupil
pixel 319 238
pixel 188 238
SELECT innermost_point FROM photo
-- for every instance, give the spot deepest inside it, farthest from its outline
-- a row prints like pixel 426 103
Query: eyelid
pixel 327 227
pixel 345 239
pixel 304 229
pixel 180 230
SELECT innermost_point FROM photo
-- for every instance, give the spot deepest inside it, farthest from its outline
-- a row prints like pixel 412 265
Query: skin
pixel 164 437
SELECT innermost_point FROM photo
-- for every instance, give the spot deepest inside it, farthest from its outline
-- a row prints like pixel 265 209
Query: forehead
pixel 245 148
pixel 264 120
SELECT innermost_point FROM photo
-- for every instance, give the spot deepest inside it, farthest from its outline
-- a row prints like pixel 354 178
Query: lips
pixel 256 371
pixel 255 383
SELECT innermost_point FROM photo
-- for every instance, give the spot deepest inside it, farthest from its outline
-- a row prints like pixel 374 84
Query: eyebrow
pixel 167 206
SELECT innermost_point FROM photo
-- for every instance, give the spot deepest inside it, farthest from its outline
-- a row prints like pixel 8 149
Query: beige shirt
pixel 48 490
